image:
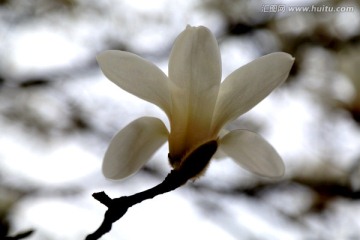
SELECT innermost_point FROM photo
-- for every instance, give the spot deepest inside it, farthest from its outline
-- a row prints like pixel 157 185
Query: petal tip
pixel 277 174
pixel 286 57
pixel 197 28
pixel 103 54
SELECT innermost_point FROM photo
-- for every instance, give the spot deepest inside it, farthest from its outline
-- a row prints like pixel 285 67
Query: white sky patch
pixel 59 219
pixel 154 35
pixel 146 6
pixel 343 19
pixel 260 220
pixel 56 164
pixel 41 49
pixel 236 52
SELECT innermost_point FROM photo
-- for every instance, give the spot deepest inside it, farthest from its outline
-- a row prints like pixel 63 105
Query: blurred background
pixel 58 113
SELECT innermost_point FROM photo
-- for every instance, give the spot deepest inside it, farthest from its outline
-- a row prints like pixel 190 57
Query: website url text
pixel 278 8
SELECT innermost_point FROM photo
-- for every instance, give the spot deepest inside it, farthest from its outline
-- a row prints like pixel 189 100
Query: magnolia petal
pixel 250 84
pixel 133 146
pixel 195 75
pixel 219 153
pixel 137 76
pixel 253 153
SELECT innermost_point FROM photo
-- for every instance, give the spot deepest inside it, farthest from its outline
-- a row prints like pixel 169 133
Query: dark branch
pixel 192 166
pixel 20 235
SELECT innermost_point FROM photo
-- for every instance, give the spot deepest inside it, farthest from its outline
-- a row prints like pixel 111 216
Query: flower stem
pixel 192 166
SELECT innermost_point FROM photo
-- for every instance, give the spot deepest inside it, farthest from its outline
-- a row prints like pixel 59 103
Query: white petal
pixel 253 153
pixel 137 76
pixel 133 146
pixel 195 74
pixel 250 84
pixel 219 153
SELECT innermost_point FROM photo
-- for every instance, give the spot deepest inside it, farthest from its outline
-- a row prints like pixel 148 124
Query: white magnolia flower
pixel 196 102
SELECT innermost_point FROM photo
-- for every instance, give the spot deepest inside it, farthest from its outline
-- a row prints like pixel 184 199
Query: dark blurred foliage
pixel 295 33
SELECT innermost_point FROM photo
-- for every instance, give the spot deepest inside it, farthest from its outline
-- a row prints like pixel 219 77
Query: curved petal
pixel 137 76
pixel 133 146
pixel 250 84
pixel 253 153
pixel 195 75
